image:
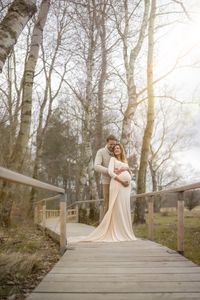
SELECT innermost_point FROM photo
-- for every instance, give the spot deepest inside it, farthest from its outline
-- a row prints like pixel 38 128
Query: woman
pixel 116 225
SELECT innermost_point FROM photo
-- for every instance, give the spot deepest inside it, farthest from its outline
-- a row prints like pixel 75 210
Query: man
pixel 101 163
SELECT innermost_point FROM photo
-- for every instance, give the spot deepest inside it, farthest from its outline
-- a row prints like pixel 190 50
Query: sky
pixel 184 40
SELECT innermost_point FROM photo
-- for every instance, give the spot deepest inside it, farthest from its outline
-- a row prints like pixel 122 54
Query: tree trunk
pixel 88 168
pixel 23 136
pixel 12 25
pixel 141 182
pixel 153 177
pixel 129 63
pixel 101 86
pixel 102 80
pixel 157 199
pixel 19 150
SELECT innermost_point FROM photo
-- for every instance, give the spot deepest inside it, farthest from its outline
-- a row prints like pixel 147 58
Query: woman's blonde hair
pixel 122 154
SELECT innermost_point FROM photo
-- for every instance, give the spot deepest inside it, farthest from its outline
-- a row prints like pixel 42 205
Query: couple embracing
pixel 116 225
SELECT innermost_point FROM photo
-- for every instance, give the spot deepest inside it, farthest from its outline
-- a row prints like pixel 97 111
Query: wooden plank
pixel 125 258
pixel 120 287
pixel 122 277
pixel 122 270
pixel 114 296
pixel 126 264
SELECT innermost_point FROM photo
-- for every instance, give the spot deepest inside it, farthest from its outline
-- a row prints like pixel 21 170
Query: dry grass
pixel 18 263
pixel 26 255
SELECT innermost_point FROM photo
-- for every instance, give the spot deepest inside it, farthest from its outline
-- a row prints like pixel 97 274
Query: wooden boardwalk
pixel 123 271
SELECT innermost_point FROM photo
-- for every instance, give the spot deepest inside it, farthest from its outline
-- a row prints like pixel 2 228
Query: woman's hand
pixel 118 171
pixel 124 183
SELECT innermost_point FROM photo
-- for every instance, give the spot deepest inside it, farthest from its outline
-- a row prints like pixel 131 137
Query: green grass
pixel 165 232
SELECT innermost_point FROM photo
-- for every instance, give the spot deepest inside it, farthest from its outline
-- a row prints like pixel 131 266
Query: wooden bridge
pixel 134 270
pixel 137 270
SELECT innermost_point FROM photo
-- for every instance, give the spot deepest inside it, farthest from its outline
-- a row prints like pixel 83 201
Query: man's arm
pixel 98 163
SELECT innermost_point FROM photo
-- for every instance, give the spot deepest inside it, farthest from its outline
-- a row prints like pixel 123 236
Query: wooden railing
pixel 180 210
pixel 53 213
pixel 78 204
pixel 41 205
pixel 11 176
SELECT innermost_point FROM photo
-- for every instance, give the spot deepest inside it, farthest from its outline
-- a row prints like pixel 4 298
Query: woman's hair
pixel 122 154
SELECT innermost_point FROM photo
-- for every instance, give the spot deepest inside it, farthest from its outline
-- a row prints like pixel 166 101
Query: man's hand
pixel 120 170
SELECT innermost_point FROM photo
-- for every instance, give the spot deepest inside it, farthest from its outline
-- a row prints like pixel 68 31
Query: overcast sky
pixel 181 39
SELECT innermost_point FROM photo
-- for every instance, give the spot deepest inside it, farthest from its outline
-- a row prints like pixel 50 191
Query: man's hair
pixel 111 137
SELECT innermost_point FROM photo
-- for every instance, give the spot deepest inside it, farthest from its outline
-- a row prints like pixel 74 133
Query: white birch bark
pixel 12 25
pixel 19 150
pixel 88 165
pixel 46 104
pixel 102 79
pixel 23 136
pixel 129 63
pixel 141 182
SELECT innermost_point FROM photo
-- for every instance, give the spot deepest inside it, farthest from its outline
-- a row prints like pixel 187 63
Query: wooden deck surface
pixel 127 271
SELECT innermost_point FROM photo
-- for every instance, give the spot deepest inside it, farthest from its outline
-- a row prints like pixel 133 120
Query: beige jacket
pixel 101 163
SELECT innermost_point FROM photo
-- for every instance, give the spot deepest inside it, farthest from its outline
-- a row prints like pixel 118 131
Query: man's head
pixel 111 142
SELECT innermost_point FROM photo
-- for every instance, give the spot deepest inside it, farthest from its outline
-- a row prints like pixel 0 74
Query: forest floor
pixel 165 231
pixel 26 256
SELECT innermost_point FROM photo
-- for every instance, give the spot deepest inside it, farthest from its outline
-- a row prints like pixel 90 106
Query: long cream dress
pixel 116 225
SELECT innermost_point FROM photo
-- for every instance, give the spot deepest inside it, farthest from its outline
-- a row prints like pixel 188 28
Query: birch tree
pixel 19 149
pixel 141 181
pixel 130 59
pixel 86 35
pixel 49 66
pixel 102 16
pixel 87 103
pixel 19 13
pixel 28 79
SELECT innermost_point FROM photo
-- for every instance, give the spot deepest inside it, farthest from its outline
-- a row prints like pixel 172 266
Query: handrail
pixel 84 201
pixel 19 178
pixel 183 188
pixel 48 199
pixel 22 179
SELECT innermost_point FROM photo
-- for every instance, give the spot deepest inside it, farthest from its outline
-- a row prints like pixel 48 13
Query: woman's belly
pixel 125 176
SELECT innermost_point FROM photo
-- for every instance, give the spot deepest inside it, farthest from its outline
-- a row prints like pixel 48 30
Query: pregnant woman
pixel 116 225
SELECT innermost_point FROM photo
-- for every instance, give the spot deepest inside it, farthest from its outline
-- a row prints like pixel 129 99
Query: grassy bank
pixel 165 232
pixel 26 255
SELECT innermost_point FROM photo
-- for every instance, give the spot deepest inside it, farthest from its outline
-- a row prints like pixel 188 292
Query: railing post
pixel 63 240
pixel 180 229
pixel 44 216
pixel 40 214
pixel 77 213
pixel 100 212
pixel 36 214
pixel 150 218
